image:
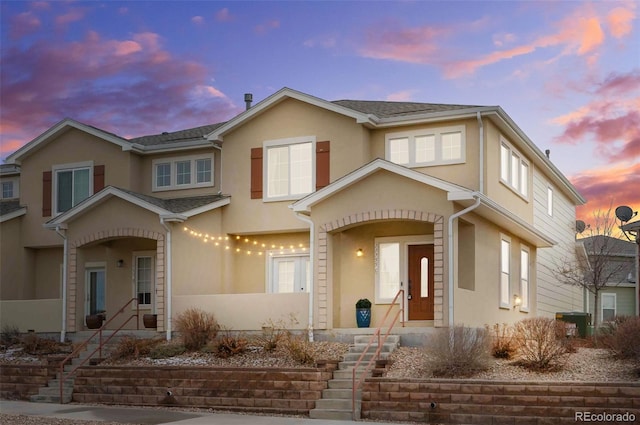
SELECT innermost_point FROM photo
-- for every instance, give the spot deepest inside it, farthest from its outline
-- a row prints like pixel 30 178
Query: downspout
pixel 481 139
pixel 63 331
pixel 450 262
pixel 167 273
pixel 312 232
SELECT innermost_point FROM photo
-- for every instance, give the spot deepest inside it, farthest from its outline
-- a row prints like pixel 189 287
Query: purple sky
pixel 567 72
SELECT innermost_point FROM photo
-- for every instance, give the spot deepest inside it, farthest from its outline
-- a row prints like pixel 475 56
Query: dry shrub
pixel 196 327
pixel 622 337
pixel 539 343
pixel 163 351
pixel 272 335
pixel 10 335
pixel 130 347
pixel 502 345
pixel 35 345
pixel 298 348
pixel 458 352
pixel 229 345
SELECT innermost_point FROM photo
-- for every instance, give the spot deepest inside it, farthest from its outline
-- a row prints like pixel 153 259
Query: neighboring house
pixel 618 296
pixel 297 207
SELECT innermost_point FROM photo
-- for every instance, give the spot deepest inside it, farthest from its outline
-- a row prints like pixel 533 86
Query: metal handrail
pixel 75 352
pixel 376 356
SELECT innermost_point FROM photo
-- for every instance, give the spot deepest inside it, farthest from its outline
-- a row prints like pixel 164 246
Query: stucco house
pixel 295 208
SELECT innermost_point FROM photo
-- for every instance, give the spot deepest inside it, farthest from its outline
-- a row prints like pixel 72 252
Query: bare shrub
pixel 622 337
pixel 10 335
pixel 130 347
pixel 272 335
pixel 539 343
pixel 230 345
pixel 35 345
pixel 298 348
pixel 163 351
pixel 458 352
pixel 196 327
pixel 502 345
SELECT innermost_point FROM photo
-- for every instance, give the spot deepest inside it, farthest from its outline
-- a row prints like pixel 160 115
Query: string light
pixel 253 246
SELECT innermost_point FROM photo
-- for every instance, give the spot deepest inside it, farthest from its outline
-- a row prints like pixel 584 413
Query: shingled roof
pixel 384 109
pixel 179 136
pixel 177 205
pixel 7 207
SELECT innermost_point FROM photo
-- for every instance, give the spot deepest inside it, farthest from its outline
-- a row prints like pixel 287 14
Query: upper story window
pixel 514 169
pixel 10 188
pixel 182 172
pixel 550 201
pixel 421 148
pixel 72 183
pixel 289 167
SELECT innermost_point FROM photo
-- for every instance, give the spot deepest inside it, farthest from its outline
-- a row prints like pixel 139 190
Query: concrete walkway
pixel 151 416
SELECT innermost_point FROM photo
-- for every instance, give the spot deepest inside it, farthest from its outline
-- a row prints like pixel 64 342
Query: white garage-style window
pixel 182 172
pixel 288 273
pixel 289 167
pixel 426 147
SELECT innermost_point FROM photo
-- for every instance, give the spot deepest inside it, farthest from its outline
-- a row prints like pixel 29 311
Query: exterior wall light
pixel 517 301
pixel 359 253
pixel 120 263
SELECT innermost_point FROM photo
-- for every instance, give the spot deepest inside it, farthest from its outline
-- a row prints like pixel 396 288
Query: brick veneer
pixel 491 402
pixel 239 389
pixel 19 381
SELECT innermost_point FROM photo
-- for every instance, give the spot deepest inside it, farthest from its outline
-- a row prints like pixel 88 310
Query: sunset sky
pixel 567 72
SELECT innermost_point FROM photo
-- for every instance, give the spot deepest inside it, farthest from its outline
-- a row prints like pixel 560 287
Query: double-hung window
pixel 10 188
pixel 514 169
pixel 183 172
pixel 289 167
pixel 608 307
pixel 73 184
pixel 524 279
pixel 505 271
pixel 426 147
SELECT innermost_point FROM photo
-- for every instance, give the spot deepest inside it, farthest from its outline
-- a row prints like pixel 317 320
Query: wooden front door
pixel 420 290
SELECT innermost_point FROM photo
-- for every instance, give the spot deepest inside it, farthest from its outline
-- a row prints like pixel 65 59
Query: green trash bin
pixel 580 319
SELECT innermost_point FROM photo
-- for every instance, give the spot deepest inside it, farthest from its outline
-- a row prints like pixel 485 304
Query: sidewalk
pixel 152 416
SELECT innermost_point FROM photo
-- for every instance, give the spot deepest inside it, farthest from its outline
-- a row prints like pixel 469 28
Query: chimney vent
pixel 248 98
pixel 548 153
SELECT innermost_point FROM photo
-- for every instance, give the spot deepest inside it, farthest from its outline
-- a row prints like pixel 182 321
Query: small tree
pixel 596 269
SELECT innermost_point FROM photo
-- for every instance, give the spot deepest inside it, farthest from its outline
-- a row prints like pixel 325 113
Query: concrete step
pixel 364 339
pixel 360 348
pixel 334 393
pixel 347 373
pixel 353 357
pixel 50 399
pixel 55 391
pixel 348 365
pixel 335 404
pixel 338 415
pixel 340 384
pixel 55 383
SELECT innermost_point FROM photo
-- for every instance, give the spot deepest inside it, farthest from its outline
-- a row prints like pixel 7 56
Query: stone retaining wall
pixel 240 389
pixel 492 402
pixel 20 381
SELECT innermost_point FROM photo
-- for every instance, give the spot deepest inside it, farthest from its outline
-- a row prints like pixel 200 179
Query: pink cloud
pixel 198 20
pixel 132 86
pixel 401 96
pixel 620 21
pixel 616 184
pixel 73 15
pixel 264 28
pixel 23 24
pixel 223 15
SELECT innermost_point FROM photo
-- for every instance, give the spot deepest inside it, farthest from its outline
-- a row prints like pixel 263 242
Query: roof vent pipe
pixel 548 153
pixel 248 98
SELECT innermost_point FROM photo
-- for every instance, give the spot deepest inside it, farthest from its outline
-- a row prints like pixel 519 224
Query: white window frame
pixel 173 161
pixel 15 187
pixel 514 178
pixel 134 280
pixel 615 305
pixel 272 257
pixel 404 242
pixel 438 154
pixel 550 201
pixel 56 169
pixel 268 144
pixel 504 293
pixel 525 278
